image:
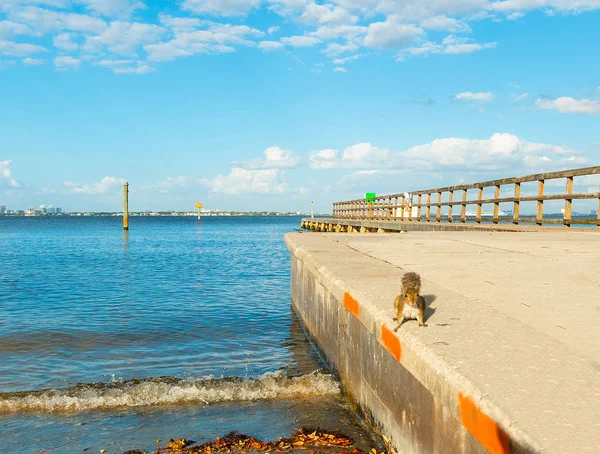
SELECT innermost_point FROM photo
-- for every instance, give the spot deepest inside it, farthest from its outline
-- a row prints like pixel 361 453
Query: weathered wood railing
pixel 401 207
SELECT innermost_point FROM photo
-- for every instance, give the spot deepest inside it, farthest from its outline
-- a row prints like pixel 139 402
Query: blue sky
pixel 269 104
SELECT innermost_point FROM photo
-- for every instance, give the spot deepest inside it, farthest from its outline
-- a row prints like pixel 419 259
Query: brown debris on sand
pixel 303 441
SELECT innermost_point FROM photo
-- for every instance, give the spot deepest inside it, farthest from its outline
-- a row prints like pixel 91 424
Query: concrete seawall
pixel 479 378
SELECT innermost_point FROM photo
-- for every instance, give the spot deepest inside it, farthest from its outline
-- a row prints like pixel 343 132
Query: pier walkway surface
pixel 514 323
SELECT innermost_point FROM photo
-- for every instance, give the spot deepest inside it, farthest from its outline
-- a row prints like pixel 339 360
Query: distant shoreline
pixel 168 214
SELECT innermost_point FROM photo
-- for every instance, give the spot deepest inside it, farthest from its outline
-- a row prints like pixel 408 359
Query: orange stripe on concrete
pixel 391 342
pixel 351 304
pixel 483 428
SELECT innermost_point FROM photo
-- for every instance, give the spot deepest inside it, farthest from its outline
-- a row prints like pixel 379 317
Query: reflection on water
pixel 125 240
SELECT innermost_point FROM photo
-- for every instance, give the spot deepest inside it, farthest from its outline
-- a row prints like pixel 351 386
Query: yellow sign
pixel 198 205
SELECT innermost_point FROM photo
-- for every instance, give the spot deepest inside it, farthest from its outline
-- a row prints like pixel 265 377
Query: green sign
pixel 370 197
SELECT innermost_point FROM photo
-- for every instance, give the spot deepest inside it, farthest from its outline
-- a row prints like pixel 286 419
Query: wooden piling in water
pixel 125 206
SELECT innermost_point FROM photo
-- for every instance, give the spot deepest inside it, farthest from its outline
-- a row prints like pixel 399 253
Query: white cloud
pixel 341 26
pixel 324 159
pixel 126 66
pixel 361 155
pixel 570 105
pixel 66 62
pixel 114 63
pixel 6 178
pixel 275 158
pixel 451 45
pixel 515 16
pixel 521 97
pixel 391 34
pixel 474 97
pixel 216 38
pixel 112 8
pixel 123 37
pixel 221 7
pixel 63 42
pixel 340 70
pixel 326 13
pixel 456 45
pixel 335 49
pixel 343 61
pixel 444 23
pixel 19 49
pixel 500 151
pixel 9 28
pixel 44 21
pixel 243 182
pixel 105 186
pixel 33 61
pixel 416 10
pixel 180 24
pixel 270 45
pixel 335 31
pixel 300 41
pixel 173 49
pixel 549 6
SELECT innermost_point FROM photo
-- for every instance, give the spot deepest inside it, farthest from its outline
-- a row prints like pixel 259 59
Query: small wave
pixel 168 391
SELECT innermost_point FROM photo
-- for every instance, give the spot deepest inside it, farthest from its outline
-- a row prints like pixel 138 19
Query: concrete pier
pixel 510 361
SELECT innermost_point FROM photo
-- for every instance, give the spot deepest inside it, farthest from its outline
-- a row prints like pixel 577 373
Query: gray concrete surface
pixel 514 323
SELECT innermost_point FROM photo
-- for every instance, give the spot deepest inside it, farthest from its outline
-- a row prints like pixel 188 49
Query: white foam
pixel 170 391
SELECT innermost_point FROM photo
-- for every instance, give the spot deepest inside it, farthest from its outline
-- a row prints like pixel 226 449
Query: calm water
pixel 108 339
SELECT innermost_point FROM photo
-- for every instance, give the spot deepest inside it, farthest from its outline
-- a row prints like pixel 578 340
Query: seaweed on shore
pixel 305 440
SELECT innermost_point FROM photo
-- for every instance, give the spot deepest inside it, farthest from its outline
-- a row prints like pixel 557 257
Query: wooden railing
pixel 402 207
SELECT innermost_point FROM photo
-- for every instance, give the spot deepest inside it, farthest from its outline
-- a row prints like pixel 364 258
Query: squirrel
pixel 410 304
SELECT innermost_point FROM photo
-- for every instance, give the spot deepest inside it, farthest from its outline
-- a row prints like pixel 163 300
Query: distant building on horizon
pixel 43 209
pixel 2 210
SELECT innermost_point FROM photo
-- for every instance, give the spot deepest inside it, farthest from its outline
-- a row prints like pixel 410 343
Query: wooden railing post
pixel 438 215
pixel 540 204
pixel 479 197
pixel 402 205
pixel 568 203
pixel 450 200
pixel 428 210
pixel 419 212
pixel 395 209
pixel 463 211
pixel 517 203
pixel 496 204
